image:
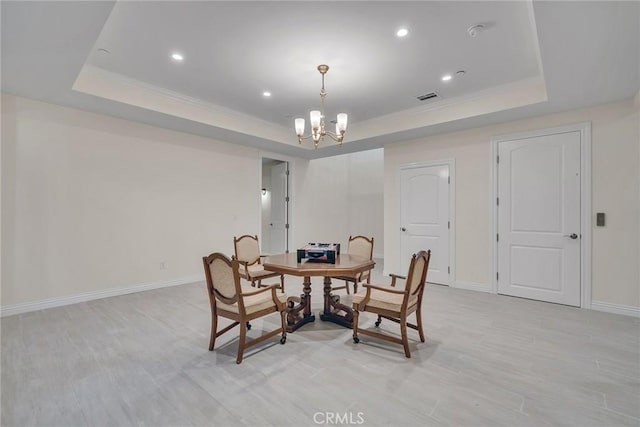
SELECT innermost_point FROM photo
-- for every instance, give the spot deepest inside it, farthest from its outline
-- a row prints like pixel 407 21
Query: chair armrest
pixel 379 288
pixel 394 277
pixel 266 288
pixel 279 304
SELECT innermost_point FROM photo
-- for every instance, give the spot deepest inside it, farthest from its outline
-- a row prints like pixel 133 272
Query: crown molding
pixel 491 100
pixel 99 82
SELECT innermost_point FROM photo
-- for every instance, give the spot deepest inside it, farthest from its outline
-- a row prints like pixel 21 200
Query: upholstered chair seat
pixel 254 303
pixel 383 299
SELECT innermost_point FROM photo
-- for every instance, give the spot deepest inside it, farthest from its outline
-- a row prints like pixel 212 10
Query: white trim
pixel 10 310
pixel 585 197
pixel 451 163
pixel 471 286
pixel 100 82
pixel 626 310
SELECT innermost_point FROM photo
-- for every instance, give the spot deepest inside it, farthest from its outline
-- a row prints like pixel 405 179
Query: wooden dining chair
pixel 392 303
pixel 360 246
pixel 247 250
pixel 240 303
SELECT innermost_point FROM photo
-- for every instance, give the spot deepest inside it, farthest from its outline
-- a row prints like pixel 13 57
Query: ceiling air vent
pixel 428 96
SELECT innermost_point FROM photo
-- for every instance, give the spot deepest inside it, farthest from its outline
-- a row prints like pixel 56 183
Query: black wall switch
pixel 600 219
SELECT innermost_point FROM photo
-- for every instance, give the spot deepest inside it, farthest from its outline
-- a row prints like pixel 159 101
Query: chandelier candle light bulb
pixel 316 118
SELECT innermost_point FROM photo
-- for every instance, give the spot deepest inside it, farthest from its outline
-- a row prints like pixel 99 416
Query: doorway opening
pixel 275 209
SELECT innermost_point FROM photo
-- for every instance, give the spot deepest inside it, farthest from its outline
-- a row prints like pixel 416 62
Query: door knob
pixel 403 229
pixel 573 236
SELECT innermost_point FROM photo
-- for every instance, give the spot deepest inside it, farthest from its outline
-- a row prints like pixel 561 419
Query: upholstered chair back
pixel 223 281
pixel 247 249
pixel 360 246
pixel 418 271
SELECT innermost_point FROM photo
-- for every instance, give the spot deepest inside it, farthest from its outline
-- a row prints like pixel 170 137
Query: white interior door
pixel 278 222
pixel 424 218
pixel 539 218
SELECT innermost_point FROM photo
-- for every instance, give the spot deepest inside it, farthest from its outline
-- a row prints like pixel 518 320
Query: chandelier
pixel 318 130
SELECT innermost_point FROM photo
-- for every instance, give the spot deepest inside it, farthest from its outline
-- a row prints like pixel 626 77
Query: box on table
pixel 319 252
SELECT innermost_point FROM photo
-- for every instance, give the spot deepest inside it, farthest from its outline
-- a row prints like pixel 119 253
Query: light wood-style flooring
pixel 489 360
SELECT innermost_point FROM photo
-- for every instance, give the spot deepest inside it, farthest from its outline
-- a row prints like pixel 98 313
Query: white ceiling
pixel 532 59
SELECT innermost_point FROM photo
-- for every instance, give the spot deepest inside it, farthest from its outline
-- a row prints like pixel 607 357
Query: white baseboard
pixel 471 286
pixel 626 310
pixel 9 310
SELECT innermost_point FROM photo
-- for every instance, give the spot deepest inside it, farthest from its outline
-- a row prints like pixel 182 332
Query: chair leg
pixel 282 283
pixel 419 320
pixel 241 344
pixel 214 327
pixel 378 321
pixel 283 317
pixel 405 339
pixel 356 315
pixel 248 326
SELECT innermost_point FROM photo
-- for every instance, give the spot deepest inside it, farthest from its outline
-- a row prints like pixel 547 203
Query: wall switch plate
pixel 600 219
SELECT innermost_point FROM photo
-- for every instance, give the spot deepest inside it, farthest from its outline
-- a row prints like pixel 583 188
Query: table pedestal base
pixel 332 308
pixel 298 315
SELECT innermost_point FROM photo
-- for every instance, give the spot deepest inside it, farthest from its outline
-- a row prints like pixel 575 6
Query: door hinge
pixel 497 237
pixel 286 172
pixel 497 201
pixel 286 226
pixel 498 159
pixel 449 270
pixel 449 225
pixel 286 199
pixel 448 180
pixel 497 275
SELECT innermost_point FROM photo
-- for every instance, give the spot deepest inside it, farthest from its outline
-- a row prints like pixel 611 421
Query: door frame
pixel 290 190
pixel 585 201
pixel 451 163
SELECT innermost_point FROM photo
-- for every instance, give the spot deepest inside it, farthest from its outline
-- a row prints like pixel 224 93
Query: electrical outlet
pixel 163 265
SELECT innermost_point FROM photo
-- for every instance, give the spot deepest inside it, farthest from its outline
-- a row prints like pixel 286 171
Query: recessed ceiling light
pixel 266 94
pixel 177 56
pixel 402 32
pixel 446 77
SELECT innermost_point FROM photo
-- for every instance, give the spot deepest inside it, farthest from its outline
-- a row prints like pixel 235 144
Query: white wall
pixel 92 205
pixel 91 202
pixel 615 191
pixel 340 196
